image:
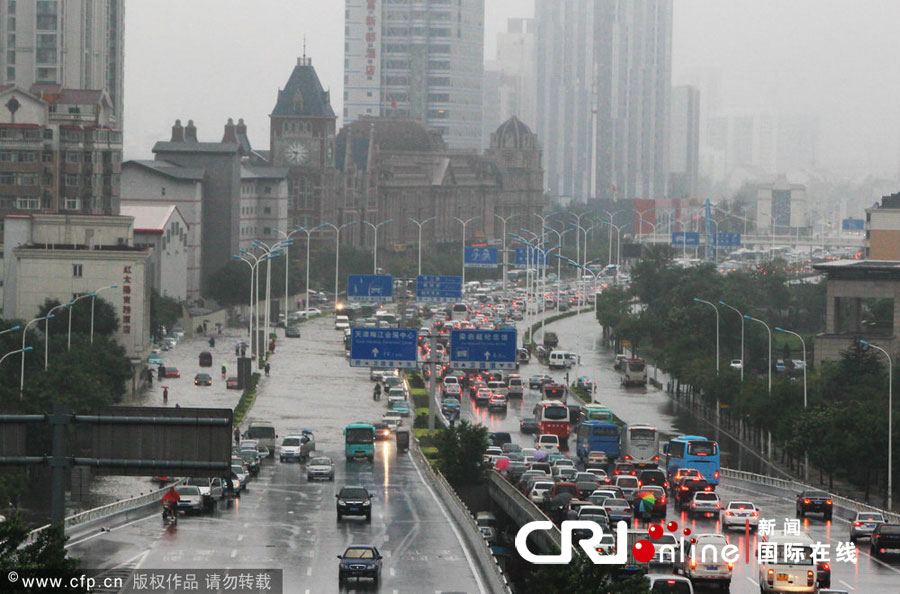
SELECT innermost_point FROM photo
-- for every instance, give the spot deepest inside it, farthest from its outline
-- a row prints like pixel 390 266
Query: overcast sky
pixel 208 60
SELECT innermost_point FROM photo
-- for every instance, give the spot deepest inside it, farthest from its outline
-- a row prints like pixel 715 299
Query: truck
pixel 551 340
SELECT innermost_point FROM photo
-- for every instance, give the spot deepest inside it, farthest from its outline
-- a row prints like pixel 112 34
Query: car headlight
pixel 367 503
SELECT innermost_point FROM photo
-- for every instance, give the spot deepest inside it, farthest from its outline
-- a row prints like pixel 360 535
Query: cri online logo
pixel 642 551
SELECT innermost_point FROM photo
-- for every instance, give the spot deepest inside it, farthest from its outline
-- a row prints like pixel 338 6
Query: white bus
pixel 641 446
pixel 460 311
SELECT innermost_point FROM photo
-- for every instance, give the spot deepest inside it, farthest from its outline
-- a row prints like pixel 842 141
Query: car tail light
pixel 770 576
pixel 665 484
pixel 627 457
pixel 716 475
pixel 708 488
pixel 728 513
pixel 640 483
pixel 684 487
pixel 718 505
pixel 662 500
pixel 810 578
pixel 828 502
pixel 881 551
pixel 857 523
pixel 754 514
pixel 806 501
pixel 656 458
pixel 693 564
pixel 730 566
pixel 826 567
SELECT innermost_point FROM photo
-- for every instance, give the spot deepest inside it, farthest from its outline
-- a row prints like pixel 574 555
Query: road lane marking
pixel 233 553
pixel 751 580
pixel 393 573
pixel 240 537
pixel 309 570
pixel 452 524
pixel 846 585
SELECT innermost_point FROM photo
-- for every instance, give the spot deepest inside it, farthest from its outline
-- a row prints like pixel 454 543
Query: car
pixel 354 500
pixel 624 468
pixel 780 366
pixel 565 473
pixel 536 382
pixel 538 489
pixel 487 524
pixel 155 358
pixel 704 503
pixel 239 478
pixel 620 361
pixel 618 510
pixel 736 364
pixel 202 379
pixel 359 561
pixel 823 574
pixel 191 498
pixel 864 524
pixel 400 406
pixel 232 383
pixel 548 442
pixel 170 372
pixel 740 514
pixel 393 423
pixel 664 557
pixel 885 539
pixel 814 501
pixel 382 431
pixel 665 583
pixel 449 405
pixel 341 322
pixel 653 476
pixel 320 467
pixel 498 402
pixel 210 489
pixel 510 447
pixel 681 474
pixel 292 448
pixel 684 494
pixel 650 502
pixel 596 460
pixel 597 497
pixel 528 425
pixel 292 332
pixel 251 459
pixel 483 397
pixel 704 563
pixel 601 475
pixel 628 484
pixel 392 415
pixel 498 439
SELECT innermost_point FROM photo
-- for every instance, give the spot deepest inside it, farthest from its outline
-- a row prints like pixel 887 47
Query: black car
pixel 528 425
pixel 359 561
pixel 885 540
pixel 202 379
pixel 535 382
pixel 251 459
pixel 497 439
pixel 684 493
pixel 814 501
pixel 354 501
pixel 823 574
pixel 292 332
pixel 653 476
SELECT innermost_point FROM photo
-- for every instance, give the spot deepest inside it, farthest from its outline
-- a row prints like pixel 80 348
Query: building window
pixel 72 180
pixel 77 270
pixel 72 204
pixel 28 203
pixel 7 179
pixel 48 134
pixel 73 157
pixel 267 231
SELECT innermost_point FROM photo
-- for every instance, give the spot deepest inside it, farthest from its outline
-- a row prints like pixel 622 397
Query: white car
pixel 320 467
pixel 528 451
pixel 538 490
pixel 704 562
pixel 736 364
pixel 737 513
pixel 392 416
pixel 704 502
pixel 628 484
pixel 295 447
pixel 548 442
pixel 341 322
pixel 191 498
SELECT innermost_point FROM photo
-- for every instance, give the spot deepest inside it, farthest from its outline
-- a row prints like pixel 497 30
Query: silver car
pixel 320 467
pixel 864 524
pixel 191 499
pixel 705 502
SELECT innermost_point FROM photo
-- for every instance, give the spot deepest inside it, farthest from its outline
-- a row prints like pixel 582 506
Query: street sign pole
pixel 432 384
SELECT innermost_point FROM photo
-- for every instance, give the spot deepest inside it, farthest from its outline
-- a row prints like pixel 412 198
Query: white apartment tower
pixel 510 84
pixel 421 59
pixel 74 43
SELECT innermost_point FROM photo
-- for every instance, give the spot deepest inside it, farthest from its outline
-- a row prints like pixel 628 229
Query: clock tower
pixel 301 139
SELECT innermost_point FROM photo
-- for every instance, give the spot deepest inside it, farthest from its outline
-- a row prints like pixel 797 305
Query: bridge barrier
pixel 523 510
pixel 472 537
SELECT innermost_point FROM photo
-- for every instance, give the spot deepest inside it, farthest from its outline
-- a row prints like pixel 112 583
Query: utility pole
pixel 432 380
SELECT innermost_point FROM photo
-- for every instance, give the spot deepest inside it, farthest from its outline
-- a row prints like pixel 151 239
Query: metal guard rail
pixel 796 486
pixel 495 576
pixel 107 510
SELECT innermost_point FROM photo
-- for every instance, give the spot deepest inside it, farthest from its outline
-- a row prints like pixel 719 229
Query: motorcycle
pixel 169 515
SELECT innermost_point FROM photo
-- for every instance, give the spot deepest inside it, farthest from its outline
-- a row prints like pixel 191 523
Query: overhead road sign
pixel 685 238
pixel 481 257
pixel 370 288
pixel 383 347
pixel 483 349
pixel 533 260
pixel 728 239
pixel 438 289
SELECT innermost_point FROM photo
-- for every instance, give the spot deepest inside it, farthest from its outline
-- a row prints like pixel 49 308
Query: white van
pixel 498 387
pixel 561 360
pixel 704 562
pixel 515 387
pixel 341 322
pixel 783 574
pixel 264 434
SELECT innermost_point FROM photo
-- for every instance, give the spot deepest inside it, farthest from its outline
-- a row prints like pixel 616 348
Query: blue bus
pixel 693 451
pixel 359 441
pixel 598 436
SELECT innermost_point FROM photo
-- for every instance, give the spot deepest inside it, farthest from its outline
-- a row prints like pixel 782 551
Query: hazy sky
pixel 208 60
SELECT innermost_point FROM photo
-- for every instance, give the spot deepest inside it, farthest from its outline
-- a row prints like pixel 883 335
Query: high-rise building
pixel 514 88
pixel 684 132
pixel 73 43
pixel 418 60
pixel 603 79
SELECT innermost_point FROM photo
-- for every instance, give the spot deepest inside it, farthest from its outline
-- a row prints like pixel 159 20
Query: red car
pixel 171 372
pixel 232 383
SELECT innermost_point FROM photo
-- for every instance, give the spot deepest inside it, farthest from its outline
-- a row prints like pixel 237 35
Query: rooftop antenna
pixel 304 48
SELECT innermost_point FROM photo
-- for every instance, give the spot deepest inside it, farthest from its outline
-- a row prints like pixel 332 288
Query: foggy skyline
pixel 210 60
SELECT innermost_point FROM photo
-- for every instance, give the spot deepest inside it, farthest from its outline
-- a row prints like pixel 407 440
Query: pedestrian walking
pixel 268 367
pixel 237 350
pixel 165 394
pixel 237 436
pixel 160 371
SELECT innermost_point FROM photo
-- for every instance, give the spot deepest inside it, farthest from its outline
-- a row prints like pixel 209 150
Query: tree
pixel 46 556
pixel 164 311
pixel 461 451
pixel 581 575
pixel 106 322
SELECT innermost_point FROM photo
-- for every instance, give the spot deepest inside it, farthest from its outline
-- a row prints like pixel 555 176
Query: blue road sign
pixel 481 257
pixel 438 289
pixel 685 238
pixel 727 239
pixel 537 257
pixel 483 349
pixel 383 347
pixel 370 288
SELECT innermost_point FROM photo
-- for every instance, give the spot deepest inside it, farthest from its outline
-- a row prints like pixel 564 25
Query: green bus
pixel 359 441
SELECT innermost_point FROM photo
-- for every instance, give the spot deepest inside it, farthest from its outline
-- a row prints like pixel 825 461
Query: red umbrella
pixel 501 464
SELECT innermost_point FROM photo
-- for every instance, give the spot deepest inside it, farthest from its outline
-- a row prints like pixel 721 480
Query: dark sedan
pixel 202 379
pixel 359 561
pixel 535 382
pixel 814 501
pixel 232 383
pixel 528 425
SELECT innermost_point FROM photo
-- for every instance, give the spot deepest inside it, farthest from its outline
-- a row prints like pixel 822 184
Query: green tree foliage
pixel 164 311
pixel 45 556
pixel 460 452
pixel 582 576
pixel 106 322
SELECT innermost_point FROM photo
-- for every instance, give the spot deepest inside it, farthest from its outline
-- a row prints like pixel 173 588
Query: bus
pixel 553 418
pixel 635 373
pixel 598 412
pixel 598 436
pixel 693 451
pixel 460 312
pixel 359 441
pixel 641 446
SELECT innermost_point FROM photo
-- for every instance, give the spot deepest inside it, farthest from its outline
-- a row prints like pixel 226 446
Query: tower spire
pixel 304 47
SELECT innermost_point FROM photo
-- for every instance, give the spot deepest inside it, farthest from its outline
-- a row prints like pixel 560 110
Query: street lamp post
pixel 618 229
pixel 464 223
pixel 890 474
pixel 93 298
pixel 287 242
pixel 74 301
pixel 271 253
pixel 734 309
pixel 47 331
pixel 337 255
pixel 559 236
pixel 3 358
pixel 24 335
pixel 505 259
pixel 253 293
pixel 717 329
pixel 419 224
pixel 769 330
pixel 308 235
pixel 375 244
pixel 612 216
pixel 803 344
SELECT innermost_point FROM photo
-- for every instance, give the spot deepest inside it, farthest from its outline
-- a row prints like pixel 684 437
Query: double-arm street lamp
pixel 24 335
pixel 420 224
pixel 337 254
pixel 805 365
pixel 93 299
pixel 375 244
pixel 717 329
pixel 769 330
pixel 464 223
pixel 270 253
pixel 734 309
pixel 308 234
pixel 890 472
pixel 47 330
pixel 505 259
pixel 287 242
pixel 74 301
pixel 253 292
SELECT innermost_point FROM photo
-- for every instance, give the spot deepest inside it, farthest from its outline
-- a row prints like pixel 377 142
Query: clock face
pixel 296 153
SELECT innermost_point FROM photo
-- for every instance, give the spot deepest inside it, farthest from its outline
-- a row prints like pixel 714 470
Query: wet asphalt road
pixel 581 334
pixel 286 522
